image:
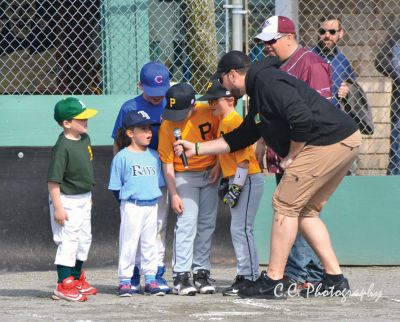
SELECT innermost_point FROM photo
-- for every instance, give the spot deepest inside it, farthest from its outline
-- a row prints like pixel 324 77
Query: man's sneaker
pixel 162 283
pixel 295 287
pixel 201 280
pixel 182 285
pixel 265 288
pixel 125 290
pixel 84 287
pixel 67 291
pixel 239 283
pixel 154 288
pixel 328 288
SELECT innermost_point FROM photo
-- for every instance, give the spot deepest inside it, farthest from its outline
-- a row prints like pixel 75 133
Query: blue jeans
pixel 303 264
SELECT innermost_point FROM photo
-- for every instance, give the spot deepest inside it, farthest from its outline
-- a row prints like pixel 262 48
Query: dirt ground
pixel 25 296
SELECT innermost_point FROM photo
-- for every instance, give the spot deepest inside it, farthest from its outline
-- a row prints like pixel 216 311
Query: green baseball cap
pixel 72 108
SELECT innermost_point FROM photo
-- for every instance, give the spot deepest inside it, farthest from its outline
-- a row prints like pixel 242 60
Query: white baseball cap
pixel 274 26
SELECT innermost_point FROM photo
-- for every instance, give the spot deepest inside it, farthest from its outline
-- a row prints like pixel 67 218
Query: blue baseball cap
pixel 154 78
pixel 137 118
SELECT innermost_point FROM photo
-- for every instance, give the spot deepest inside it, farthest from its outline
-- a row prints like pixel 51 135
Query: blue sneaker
pixel 124 290
pixel 154 289
pixel 135 281
pixel 162 283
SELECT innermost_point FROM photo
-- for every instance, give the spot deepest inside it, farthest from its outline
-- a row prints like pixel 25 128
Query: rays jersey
pixel 136 174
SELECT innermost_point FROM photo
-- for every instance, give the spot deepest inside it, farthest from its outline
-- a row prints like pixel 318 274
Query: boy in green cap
pixel 70 180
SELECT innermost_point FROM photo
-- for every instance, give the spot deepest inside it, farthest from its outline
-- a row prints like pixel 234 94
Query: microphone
pixel 178 136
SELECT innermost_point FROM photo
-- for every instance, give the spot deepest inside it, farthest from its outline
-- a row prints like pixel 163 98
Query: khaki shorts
pixel 313 176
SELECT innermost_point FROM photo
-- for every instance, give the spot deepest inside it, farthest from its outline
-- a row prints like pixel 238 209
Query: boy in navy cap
pixel 154 83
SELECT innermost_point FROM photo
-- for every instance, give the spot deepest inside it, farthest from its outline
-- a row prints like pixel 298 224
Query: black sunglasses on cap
pixel 331 31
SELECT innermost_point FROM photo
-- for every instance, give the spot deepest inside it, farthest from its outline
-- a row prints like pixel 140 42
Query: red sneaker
pixel 84 287
pixel 67 290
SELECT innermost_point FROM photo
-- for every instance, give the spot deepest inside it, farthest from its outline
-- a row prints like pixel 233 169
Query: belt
pixel 137 202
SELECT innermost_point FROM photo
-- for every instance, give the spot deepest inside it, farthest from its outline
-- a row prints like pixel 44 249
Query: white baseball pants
pixel 75 237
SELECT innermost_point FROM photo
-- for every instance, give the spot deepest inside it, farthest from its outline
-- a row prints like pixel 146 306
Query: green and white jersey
pixel 71 165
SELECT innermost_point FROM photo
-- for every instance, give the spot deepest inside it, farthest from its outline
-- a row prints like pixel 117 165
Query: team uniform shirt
pixel 229 161
pixel 284 109
pixel 136 175
pixel 307 66
pixel 140 104
pixel 202 126
pixel 341 70
pixel 71 165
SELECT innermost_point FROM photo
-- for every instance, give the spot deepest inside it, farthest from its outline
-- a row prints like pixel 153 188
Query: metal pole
pixel 227 29
pixel 237 25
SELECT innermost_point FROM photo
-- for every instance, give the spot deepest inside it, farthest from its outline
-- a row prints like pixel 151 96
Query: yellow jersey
pixel 229 161
pixel 200 127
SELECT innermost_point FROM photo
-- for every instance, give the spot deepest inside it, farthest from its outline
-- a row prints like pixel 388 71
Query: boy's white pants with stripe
pixel 137 223
pixel 75 237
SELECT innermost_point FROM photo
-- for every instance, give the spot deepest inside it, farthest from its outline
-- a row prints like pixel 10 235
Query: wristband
pixel 240 176
pixel 197 148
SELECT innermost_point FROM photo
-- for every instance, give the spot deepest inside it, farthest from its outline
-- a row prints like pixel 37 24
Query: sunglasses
pixel 273 41
pixel 322 31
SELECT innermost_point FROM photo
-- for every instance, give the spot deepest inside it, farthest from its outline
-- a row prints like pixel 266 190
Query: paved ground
pixel 25 296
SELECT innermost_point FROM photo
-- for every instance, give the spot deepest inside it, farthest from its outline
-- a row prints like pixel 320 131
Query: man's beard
pixel 236 93
pixel 325 49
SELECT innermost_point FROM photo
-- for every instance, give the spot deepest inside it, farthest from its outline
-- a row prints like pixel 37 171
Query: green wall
pixel 363 216
pixel 28 120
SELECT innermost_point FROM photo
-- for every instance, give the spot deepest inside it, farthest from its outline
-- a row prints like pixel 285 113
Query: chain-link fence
pixel 98 47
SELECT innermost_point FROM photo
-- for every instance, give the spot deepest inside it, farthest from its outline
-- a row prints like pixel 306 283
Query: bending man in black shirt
pixel 318 144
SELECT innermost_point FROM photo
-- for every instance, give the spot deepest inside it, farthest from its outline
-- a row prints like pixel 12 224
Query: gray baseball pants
pixel 195 226
pixel 242 226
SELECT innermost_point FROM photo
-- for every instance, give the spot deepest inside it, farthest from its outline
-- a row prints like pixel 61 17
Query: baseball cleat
pixel 182 285
pixel 240 283
pixel 84 287
pixel 67 291
pixel 201 280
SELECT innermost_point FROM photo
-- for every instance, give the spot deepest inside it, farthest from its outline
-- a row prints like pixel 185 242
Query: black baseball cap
pixel 234 59
pixel 137 118
pixel 215 91
pixel 180 98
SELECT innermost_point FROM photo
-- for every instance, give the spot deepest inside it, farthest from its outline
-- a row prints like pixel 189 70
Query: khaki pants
pixel 313 176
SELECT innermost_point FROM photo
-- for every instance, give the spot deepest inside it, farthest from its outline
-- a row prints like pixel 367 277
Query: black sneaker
pixel 182 285
pixel 239 283
pixel 265 288
pixel 201 280
pixel 328 288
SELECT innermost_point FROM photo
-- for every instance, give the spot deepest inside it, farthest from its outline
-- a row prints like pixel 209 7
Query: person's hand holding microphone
pixel 178 136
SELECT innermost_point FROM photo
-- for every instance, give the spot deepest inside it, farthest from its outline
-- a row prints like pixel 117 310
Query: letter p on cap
pixel 172 101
